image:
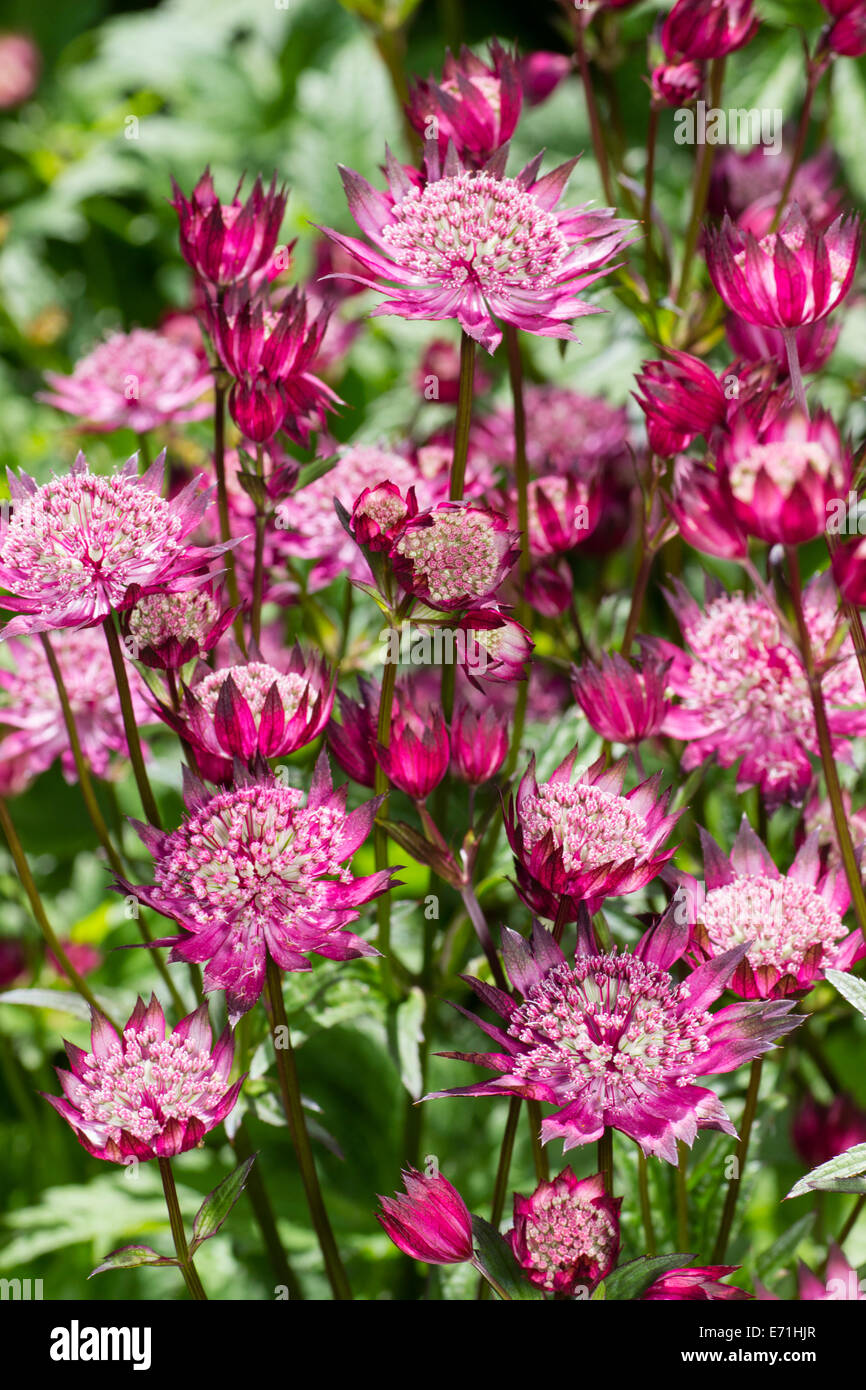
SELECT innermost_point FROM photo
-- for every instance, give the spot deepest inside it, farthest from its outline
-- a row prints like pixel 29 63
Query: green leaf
pixel 410 1035
pixel 781 1251
pixel 851 1164
pixel 217 1204
pixel 63 1001
pixel 632 1280
pixel 494 1256
pixel 129 1257
pixel 312 472
pixel 850 988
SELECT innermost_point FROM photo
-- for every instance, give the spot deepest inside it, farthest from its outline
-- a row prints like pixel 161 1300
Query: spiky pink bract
pixel 583 841
pixel 566 1235
pixel 147 1094
pixel 841 1283
pixel 83 544
pixel 256 870
pixel 614 1041
pixel 699 1283
pixel 137 381
pixel 169 630
pixel 431 1222
pixel 480 247
pixel 230 243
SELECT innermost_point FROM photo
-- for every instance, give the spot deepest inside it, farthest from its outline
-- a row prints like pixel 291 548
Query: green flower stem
pixel 682 1196
pixel 730 1207
pixel 649 180
pixel 487 1279
pixel 825 744
pixel 219 450
pixel 646 1210
pixel 259 562
pixel 852 1219
pixel 814 71
pixel 500 1185
pixel 799 390
pixel 539 1154
pixel 265 1219
pixel 22 868
pixel 291 1095
pixel 521 477
pixel 96 817
pixel 605 1159
pixel 464 416
pixel 703 171
pixel 187 1267
pixel 595 126
pixel 148 801
pixel 380 835
pixel 475 913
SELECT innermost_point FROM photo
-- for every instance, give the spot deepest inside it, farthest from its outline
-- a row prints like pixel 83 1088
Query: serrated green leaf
pixel 851 1164
pixel 217 1204
pixel 130 1257
pixel 494 1256
pixel 632 1280
pixel 850 988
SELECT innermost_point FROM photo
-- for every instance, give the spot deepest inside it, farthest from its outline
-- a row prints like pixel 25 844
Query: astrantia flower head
pixel 416 757
pixel 790 277
pixel 566 1235
pixel 454 556
pixel 256 870
pixel 779 481
pixel 476 106
pixel 708 28
pixel 702 513
pixel 791 923
pixel 20 65
pixel 479 743
pixel 481 247
pixel 137 381
pixel 270 349
pixel 252 708
pixel 624 702
pixel 149 1093
pixel 431 1222
pixel 83 544
pixel 584 840
pixel 169 630
pixel 496 646
pixel 615 1042
pixel 680 398
pixel 744 692
pixel 563 512
pixel 676 84
pixel 700 1283
pixel 230 243
pixel 821 1132
pixel 380 513
pixel 30 706
pixel 753 343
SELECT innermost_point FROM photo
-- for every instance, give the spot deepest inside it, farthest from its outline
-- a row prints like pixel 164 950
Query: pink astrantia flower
pixel 169 630
pixel 351 738
pixel 847 36
pixel 791 277
pixel 681 398
pixel 481 247
pixel 849 570
pixel 841 1284
pixel 479 743
pixel 623 701
pixel 496 646
pixel 676 84
pixel 431 1222
pixel 566 1235
pixel 702 513
pixel 230 243
pixel 753 343
pixel 31 712
pixel 708 28
pixel 584 841
pixel 563 512
pixel 309 525
pixel 20 65
pixel 379 515
pixel 147 1094
pixel 254 871
pixel 541 73
pixel 821 1132
pixel 791 923
pixel 700 1283
pixel 137 381
pixel 614 1041
pixel 252 708
pixel 417 755
pixel 83 544
pixel 744 693
pixel 475 107
pixel 270 348
pixel 455 555
pixel 780 481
